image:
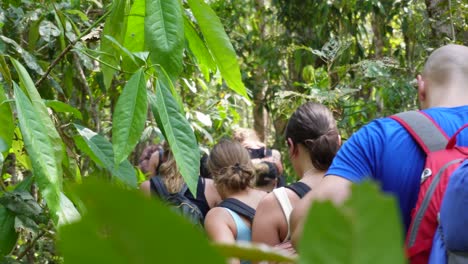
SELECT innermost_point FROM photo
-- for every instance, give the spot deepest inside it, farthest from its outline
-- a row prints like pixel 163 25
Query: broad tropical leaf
pixel 39 146
pixel 42 114
pixel 366 229
pixel 128 120
pixel 116 26
pixel 6 119
pixel 178 133
pixel 164 34
pixel 8 235
pixel 145 231
pixel 219 45
pixel 135 35
pixel 198 48
pixel 100 151
pixel 62 107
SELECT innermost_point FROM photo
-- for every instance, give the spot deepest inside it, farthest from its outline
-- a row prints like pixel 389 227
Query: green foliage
pixel 129 116
pixel 39 145
pixel 164 35
pixel 8 236
pixel 6 119
pixel 144 232
pixel 115 27
pixel 366 229
pixel 177 132
pixel 218 44
pixel 254 252
pixel 100 151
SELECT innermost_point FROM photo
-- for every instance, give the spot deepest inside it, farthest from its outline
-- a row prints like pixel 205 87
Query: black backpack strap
pixel 157 187
pixel 238 207
pixel 300 188
pixel 429 136
pixel 268 152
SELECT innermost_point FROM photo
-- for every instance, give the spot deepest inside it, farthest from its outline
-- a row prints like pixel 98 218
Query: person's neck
pixel 450 96
pixel 234 194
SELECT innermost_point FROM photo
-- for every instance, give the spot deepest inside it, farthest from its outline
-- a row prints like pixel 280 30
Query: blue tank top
pixel 243 231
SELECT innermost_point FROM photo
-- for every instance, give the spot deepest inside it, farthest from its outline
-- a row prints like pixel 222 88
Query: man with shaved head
pixel 383 150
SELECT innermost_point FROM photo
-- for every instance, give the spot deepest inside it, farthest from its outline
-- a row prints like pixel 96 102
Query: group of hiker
pixel 418 156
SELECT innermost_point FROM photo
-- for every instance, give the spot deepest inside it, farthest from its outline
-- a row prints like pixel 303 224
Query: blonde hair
pixel 170 173
pixel 244 134
pixel 230 166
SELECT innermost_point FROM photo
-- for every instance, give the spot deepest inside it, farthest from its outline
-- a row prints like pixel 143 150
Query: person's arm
pixel 265 226
pixel 217 225
pixel 332 187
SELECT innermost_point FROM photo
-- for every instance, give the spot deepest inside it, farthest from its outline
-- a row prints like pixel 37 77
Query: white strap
pixel 283 199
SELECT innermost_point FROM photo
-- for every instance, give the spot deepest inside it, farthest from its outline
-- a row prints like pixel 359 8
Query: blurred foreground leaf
pixel 366 229
pixel 122 226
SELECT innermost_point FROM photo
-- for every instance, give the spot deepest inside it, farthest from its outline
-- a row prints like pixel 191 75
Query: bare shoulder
pixel 211 194
pixel 145 187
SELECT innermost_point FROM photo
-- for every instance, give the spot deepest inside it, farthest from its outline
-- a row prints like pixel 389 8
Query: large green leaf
pixel 178 133
pixel 100 151
pixel 198 48
pixel 128 120
pixel 125 227
pixel 6 119
pixel 366 229
pixel 219 45
pixel 8 235
pixel 135 35
pixel 62 107
pixel 42 114
pixel 164 34
pixel 116 26
pixel 39 146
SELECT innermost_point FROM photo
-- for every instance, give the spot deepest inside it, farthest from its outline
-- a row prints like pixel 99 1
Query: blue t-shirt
pixel 384 151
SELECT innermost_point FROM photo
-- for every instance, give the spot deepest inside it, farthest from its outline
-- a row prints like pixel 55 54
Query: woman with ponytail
pixel 234 176
pixel 313 140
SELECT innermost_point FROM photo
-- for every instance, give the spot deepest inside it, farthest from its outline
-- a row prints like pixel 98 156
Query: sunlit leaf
pixel 366 229
pixel 100 151
pixel 7 123
pixel 199 49
pixel 178 133
pixel 219 45
pixel 164 34
pixel 129 116
pixel 135 35
pixel 39 146
pixel 126 227
pixel 116 26
pixel 42 114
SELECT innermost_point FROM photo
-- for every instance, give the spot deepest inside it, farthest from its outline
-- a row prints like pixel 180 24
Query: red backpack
pixel 443 157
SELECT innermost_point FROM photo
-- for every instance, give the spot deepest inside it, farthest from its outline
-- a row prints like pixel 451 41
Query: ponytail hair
pixel 313 126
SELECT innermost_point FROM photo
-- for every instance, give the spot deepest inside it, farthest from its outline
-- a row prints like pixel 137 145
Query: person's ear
pixel 421 89
pixel 339 140
pixel 292 149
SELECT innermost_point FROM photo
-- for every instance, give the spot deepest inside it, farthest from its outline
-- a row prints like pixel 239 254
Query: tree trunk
pixel 439 13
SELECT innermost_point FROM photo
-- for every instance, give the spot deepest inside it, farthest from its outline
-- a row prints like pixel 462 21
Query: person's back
pixel 385 151
pixel 233 174
pixel 313 141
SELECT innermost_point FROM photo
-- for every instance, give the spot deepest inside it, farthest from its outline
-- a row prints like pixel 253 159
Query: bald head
pixel 447 66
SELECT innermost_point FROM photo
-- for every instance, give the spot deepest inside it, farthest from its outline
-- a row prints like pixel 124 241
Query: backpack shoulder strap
pixel 429 136
pixel 300 188
pixel 268 152
pixel 286 206
pixel 238 207
pixel 157 187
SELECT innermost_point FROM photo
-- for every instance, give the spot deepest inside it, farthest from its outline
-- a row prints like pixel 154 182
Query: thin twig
pixel 68 48
pixel 30 246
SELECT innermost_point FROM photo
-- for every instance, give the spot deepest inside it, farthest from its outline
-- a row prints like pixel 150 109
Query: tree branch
pixel 30 246
pixel 69 47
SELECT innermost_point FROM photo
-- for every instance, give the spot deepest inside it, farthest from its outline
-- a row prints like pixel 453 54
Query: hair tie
pixel 237 168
